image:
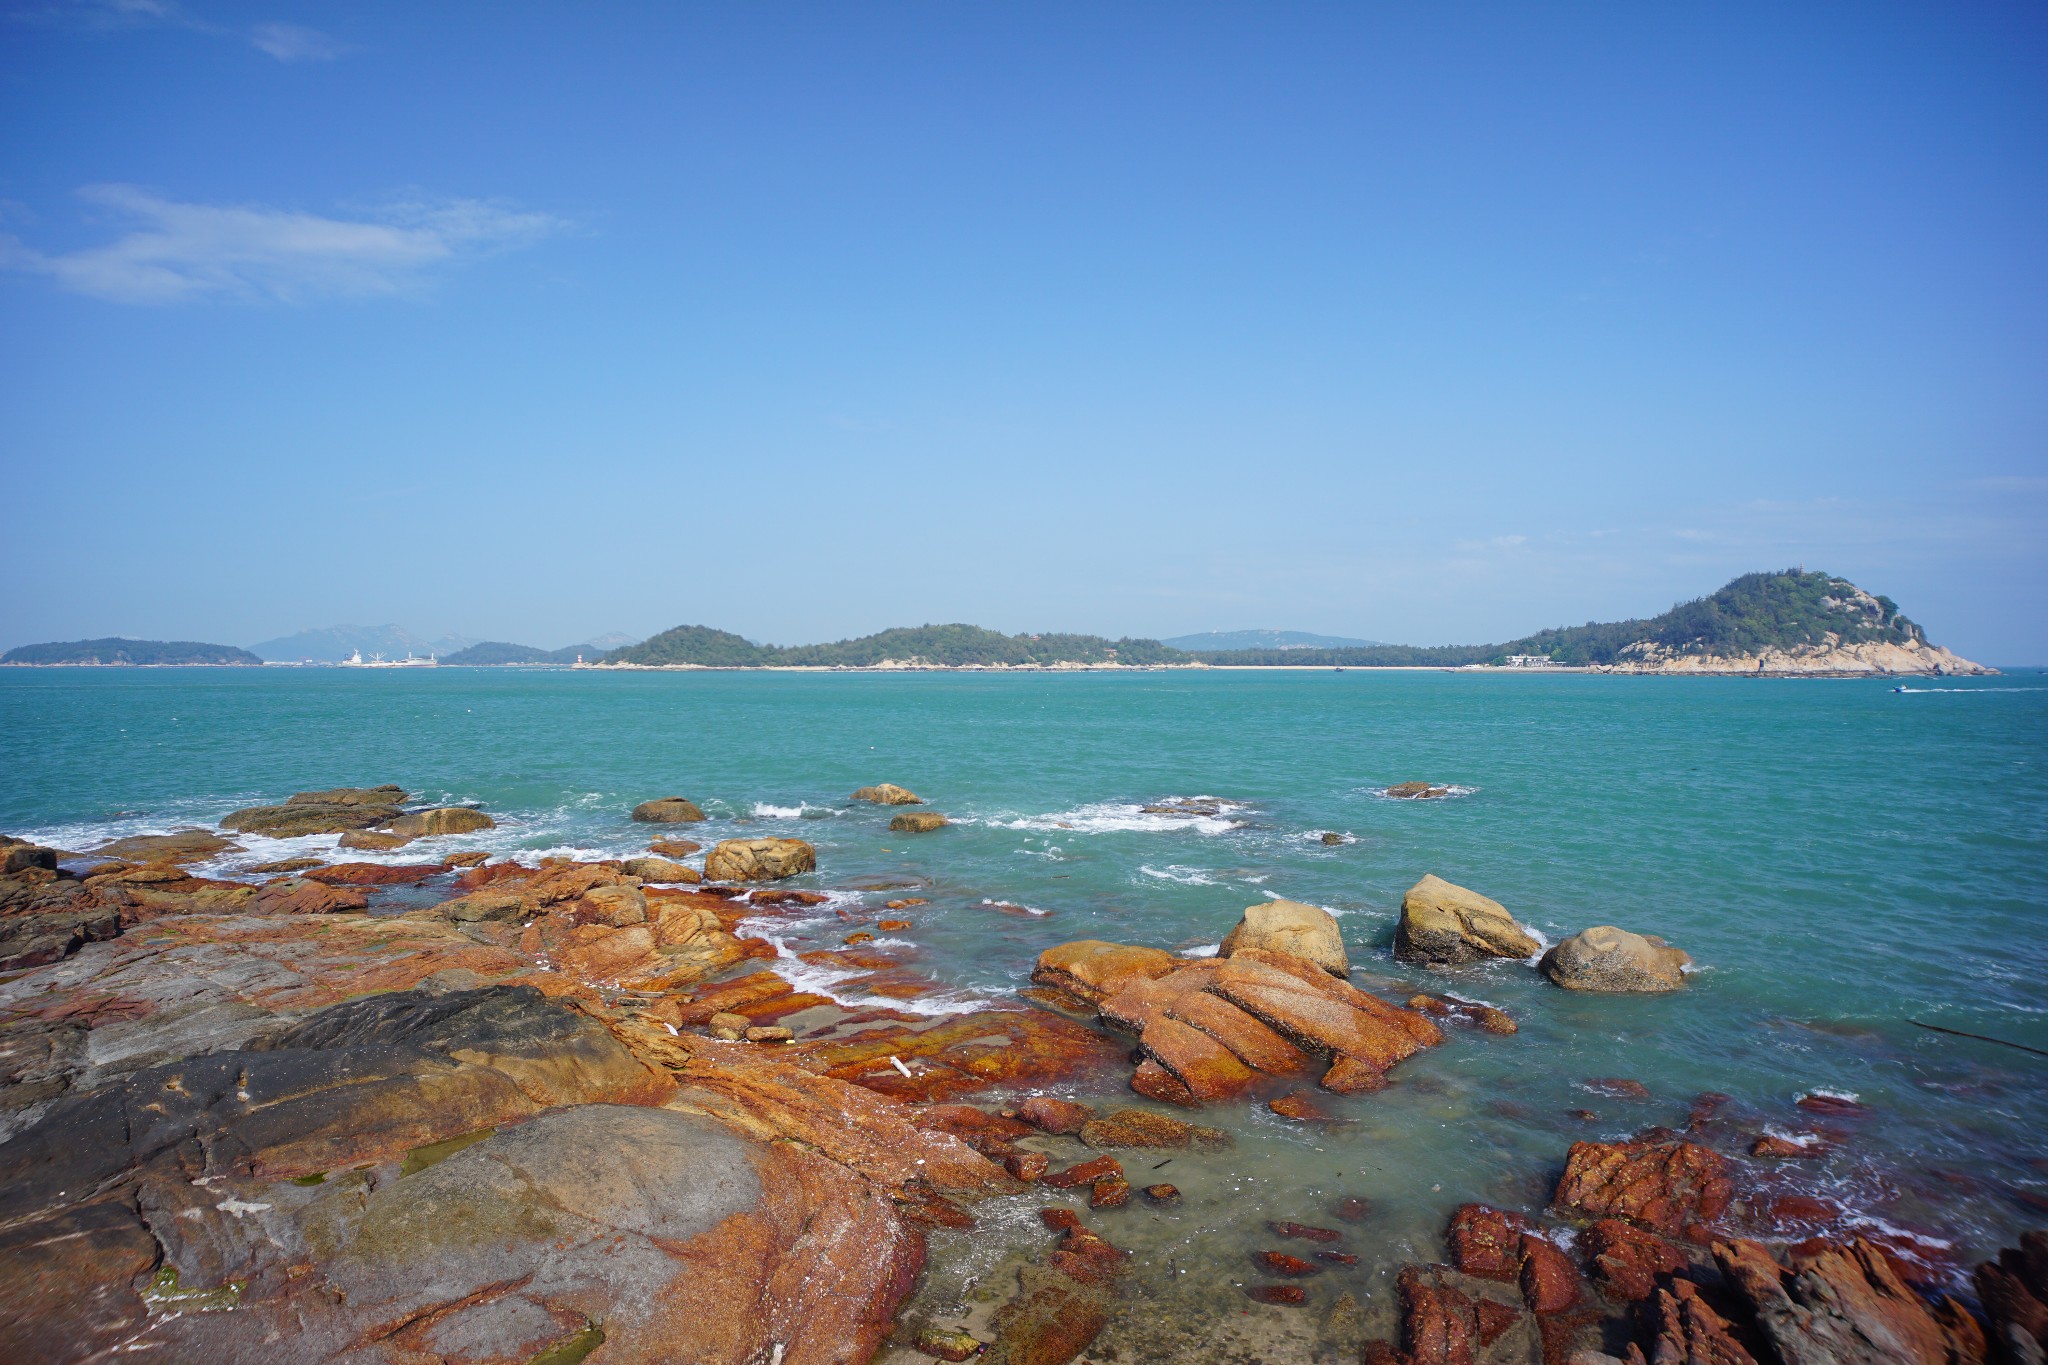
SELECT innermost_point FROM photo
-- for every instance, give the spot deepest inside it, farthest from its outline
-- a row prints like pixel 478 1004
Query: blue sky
pixel 1418 323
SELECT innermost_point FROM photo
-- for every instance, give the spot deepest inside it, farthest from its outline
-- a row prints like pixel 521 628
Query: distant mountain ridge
pixel 116 652
pixel 1210 641
pixel 1767 623
pixel 332 644
pixel 1770 624
pixel 949 646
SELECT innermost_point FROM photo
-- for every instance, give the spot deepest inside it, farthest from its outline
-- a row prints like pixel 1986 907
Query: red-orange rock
pixel 374 874
pixel 966 1053
pixel 890 926
pixel 1771 1145
pixel 1087 1257
pixel 1288 1295
pixel 1155 1082
pixel 1486 1241
pixel 1209 1070
pixel 1837 1106
pixel 1093 970
pixel 1352 1209
pixel 1112 1191
pixel 1438 1324
pixel 1337 1257
pixel 1027 1165
pixel 1305 1232
pixel 1689 1331
pixel 1050 1114
pixel 1280 1263
pixel 1619 1086
pixel 990 1134
pixel 1549 1282
pixel 1060 1219
pixel 1301 1107
pixel 1084 1173
pixel 787 898
pixel 1842 1303
pixel 1163 1194
pixel 1667 1187
pixel 299 896
pixel 1626 1261
pixel 1253 1043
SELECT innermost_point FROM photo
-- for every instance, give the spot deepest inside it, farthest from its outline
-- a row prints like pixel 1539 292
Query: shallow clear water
pixel 1839 858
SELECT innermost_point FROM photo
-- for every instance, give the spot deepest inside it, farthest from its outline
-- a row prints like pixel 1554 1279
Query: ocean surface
pixel 1841 860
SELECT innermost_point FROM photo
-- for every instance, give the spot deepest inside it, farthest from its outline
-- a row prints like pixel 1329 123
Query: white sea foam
pixel 994 904
pixel 1113 817
pixel 1202 950
pixel 1186 876
pixel 818 979
pixel 1966 691
pixel 764 811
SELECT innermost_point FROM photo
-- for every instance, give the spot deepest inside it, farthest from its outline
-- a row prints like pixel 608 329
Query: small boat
pixel 1900 688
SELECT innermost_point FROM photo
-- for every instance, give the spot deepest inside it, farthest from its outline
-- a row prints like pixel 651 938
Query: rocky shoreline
pixel 464 1110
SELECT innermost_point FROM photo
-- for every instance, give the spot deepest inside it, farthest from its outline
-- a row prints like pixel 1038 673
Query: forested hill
pixel 1759 611
pixel 489 652
pixel 136 652
pixel 944 646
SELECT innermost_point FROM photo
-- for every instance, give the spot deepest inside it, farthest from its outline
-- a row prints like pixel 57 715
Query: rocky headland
pixel 457 1109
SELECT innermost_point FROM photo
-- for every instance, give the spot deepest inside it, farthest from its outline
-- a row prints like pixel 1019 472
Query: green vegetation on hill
pixel 1754 612
pixel 949 646
pixel 136 652
pixel 499 652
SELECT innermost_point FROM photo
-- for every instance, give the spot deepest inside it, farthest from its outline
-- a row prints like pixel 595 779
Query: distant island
pixel 490 652
pixel 1211 641
pixel 116 653
pixel 1785 624
pixel 1769 624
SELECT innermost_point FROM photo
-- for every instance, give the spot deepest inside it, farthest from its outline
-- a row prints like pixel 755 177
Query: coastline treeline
pixel 117 652
pixel 1786 610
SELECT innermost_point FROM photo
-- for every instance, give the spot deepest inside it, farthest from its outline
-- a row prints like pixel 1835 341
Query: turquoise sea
pixel 1840 859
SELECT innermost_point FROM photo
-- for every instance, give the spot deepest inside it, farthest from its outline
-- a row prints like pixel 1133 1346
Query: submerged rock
pixel 181 846
pixel 887 794
pixel 1308 932
pixel 1670 1188
pixel 1145 1128
pixel 323 812
pixel 1605 958
pixel 674 848
pixel 668 810
pixel 421 824
pixel 1443 924
pixel 918 822
pixel 1415 791
pixel 371 840
pixel 759 860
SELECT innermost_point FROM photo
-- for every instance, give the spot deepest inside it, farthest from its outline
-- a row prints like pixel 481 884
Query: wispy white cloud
pixel 296 43
pixel 179 252
pixel 285 42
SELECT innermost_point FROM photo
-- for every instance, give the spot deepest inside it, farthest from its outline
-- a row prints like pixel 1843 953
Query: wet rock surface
pixel 1443 924
pixel 1605 958
pixel 759 860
